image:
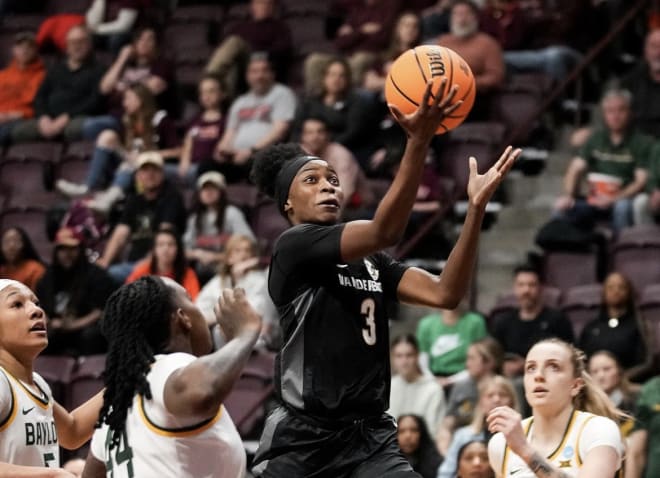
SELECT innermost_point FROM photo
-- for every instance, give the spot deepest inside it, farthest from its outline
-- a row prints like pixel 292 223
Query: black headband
pixel 285 178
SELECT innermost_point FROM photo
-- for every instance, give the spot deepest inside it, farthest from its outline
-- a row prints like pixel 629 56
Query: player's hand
pixel 563 203
pixel 509 422
pixel 425 121
pixel 59 473
pixel 235 315
pixel 481 187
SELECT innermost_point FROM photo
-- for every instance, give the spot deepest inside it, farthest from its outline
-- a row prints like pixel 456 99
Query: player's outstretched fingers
pixel 449 97
pixel 424 106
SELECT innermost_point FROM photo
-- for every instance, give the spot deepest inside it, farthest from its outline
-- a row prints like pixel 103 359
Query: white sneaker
pixel 71 189
pixel 104 200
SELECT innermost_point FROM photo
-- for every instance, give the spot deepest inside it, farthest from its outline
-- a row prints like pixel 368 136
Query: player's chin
pixel 327 216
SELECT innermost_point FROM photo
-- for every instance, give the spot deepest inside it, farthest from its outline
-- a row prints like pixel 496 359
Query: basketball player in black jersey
pixel 330 283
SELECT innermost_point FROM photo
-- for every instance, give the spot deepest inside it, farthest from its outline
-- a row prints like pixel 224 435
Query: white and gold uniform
pixel 158 444
pixel 27 428
pixel 584 432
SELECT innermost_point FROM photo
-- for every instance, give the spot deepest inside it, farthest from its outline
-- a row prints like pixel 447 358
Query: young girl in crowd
pixel 573 425
pixel 412 392
pixel 162 411
pixel 417 445
pixel 211 221
pixel 473 461
pixel 494 392
pixel 484 359
pixel 240 269
pixel 167 260
pixel 204 132
pixel 29 440
pixel 144 128
pixel 19 260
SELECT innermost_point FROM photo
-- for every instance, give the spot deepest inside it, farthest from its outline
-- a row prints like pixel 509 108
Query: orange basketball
pixel 411 71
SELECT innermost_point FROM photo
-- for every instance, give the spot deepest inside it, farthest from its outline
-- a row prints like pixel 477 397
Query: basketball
pixel 406 81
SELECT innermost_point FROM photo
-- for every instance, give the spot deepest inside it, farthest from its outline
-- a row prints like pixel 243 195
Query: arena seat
pixel 67 6
pixel 78 150
pixel 267 224
pixel 581 304
pixel 636 254
pixel 24 180
pixel 551 297
pixel 244 196
pixel 38 150
pixel 197 14
pixel 649 306
pixel 87 379
pixel 57 371
pixel 569 269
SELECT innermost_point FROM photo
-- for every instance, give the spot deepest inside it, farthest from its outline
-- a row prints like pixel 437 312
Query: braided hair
pixel 136 325
pixel 269 161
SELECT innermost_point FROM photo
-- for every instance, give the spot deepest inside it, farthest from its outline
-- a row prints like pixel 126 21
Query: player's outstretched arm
pixel 361 238
pixel 200 388
pixel 75 428
pixel 447 290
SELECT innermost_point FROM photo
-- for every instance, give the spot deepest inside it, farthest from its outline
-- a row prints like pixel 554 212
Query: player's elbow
pixel 203 401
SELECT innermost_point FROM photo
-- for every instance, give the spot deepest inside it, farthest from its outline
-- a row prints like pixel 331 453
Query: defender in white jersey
pixel 163 413
pixel 572 431
pixel 32 424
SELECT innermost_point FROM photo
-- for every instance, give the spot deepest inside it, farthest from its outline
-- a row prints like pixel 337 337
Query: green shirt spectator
pixel 644 441
pixel 445 338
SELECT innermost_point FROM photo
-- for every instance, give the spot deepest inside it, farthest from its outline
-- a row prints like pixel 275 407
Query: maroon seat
pixel 67 6
pixel 24 181
pixel 268 224
pixel 33 220
pixel 74 169
pixel 244 196
pixel 188 75
pixel 6 43
pixel 569 269
pixel 87 379
pixel 246 401
pixel 238 12
pixel 516 103
pixel 57 371
pixel 188 42
pixel 581 305
pixel 39 151
pixel 641 264
pixel 197 14
pixel 78 150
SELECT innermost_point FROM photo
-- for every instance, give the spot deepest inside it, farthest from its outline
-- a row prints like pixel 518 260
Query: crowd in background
pixel 167 152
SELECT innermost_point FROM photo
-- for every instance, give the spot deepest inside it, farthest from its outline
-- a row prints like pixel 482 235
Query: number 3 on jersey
pixel 368 309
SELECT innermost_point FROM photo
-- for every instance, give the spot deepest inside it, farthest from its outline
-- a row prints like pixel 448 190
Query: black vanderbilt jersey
pixel 334 361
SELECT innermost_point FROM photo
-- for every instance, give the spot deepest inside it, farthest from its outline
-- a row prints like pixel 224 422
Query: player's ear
pixel 287 206
pixel 182 319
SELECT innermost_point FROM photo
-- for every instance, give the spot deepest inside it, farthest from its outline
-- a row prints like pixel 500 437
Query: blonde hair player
pixel 573 429
pixel 32 424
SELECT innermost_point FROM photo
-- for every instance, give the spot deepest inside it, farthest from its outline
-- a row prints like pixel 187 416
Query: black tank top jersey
pixel 334 361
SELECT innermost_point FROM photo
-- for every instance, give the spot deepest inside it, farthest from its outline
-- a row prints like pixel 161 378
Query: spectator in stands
pixel 114 32
pixel 484 360
pixel 366 33
pixel 167 259
pixel 262 32
pixel 618 328
pixel 643 453
pixel 316 141
pixel 435 20
pixel 19 260
pixel 257 119
pixel 506 21
pixel 518 329
pixel 406 35
pixel 241 269
pixel 204 132
pixel 73 293
pixel 646 205
pixel 644 84
pixel 412 392
pixel 69 97
pixel 141 62
pixel 473 461
pixel 114 157
pixel 608 373
pixel 211 222
pixel 444 338
pixel 614 161
pixel 495 391
pixel 479 50
pixel 417 445
pixel 19 82
pixel 348 115
pixel 157 203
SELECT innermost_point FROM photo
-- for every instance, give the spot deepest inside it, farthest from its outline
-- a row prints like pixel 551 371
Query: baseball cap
pixel 67 236
pixel 149 157
pixel 213 177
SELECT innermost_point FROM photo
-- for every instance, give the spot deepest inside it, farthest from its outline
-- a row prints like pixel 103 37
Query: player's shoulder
pixel 301 235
